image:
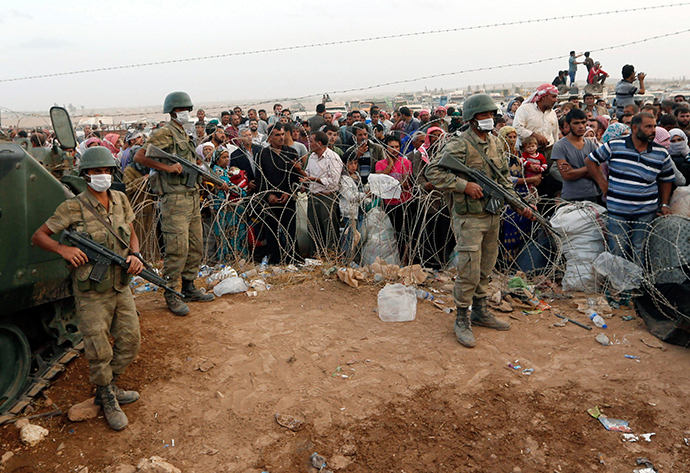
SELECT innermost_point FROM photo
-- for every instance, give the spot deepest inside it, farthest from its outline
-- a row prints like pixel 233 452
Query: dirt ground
pixel 375 396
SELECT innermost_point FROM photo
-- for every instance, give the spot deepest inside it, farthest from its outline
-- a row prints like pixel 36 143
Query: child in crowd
pixel 533 161
pixel 352 197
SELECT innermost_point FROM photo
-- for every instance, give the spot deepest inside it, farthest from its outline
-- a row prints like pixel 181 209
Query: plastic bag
pixel 384 186
pixel 397 303
pixel 232 285
pixel 623 275
pixel 581 229
pixel 379 238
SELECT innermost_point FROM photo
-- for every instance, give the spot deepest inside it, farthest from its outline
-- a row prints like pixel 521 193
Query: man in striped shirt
pixel 638 185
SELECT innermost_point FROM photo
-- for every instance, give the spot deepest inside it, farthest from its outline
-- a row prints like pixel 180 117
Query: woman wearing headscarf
pixel 680 151
pixel 113 143
pixel 513 105
pixel 515 225
pixel 229 228
pixel 663 137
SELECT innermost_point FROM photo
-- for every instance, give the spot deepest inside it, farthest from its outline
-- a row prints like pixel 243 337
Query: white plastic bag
pixel 230 286
pixel 581 229
pixel 623 275
pixel 379 238
pixel 397 303
pixel 384 186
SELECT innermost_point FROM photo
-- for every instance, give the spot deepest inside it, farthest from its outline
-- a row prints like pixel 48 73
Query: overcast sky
pixel 45 37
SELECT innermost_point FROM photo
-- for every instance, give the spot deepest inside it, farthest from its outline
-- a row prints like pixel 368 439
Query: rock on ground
pixel 31 434
pixel 156 465
pixel 83 411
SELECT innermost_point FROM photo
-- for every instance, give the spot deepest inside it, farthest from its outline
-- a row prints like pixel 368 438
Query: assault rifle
pixel 191 170
pixel 102 257
pixel 497 193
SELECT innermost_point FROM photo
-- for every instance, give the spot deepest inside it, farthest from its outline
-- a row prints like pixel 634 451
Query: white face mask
pixel 182 117
pixel 677 148
pixel 486 125
pixel 100 182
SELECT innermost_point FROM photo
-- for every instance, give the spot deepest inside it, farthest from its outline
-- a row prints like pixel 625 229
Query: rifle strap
pixel 105 223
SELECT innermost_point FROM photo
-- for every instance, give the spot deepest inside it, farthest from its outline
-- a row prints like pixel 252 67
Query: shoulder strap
pixel 483 155
pixel 103 221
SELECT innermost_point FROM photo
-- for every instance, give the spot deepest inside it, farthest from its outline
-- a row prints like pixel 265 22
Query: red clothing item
pixel 595 71
pixel 538 160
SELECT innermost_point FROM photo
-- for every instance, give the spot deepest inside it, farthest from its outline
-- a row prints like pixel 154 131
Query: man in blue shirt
pixel 572 66
pixel 638 186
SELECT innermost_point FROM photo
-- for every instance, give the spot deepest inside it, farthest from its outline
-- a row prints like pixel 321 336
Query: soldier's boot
pixel 482 317
pixel 117 420
pixel 175 304
pixel 463 329
pixel 123 397
pixel 192 293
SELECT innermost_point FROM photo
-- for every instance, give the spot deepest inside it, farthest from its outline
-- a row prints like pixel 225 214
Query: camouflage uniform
pixel 476 230
pixel 180 208
pixel 107 308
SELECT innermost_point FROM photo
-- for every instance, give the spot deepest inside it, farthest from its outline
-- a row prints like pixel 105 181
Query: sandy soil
pixel 376 397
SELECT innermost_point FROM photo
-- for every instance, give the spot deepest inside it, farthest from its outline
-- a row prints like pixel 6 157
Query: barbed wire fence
pixel 237 230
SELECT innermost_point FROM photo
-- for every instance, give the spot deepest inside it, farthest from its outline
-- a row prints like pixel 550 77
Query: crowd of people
pixel 341 171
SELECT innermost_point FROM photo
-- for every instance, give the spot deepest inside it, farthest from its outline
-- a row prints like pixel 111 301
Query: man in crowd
pixel 668 122
pixel 257 137
pixel 201 116
pixel 368 153
pixel 476 228
pixel 180 209
pixel 424 118
pixel 238 111
pixel 680 98
pixel 561 82
pixel 317 121
pixel 233 131
pixel 683 116
pixel 199 133
pixel 263 116
pixel 638 186
pixel 570 153
pixel 537 118
pixel 276 176
pixel 572 66
pixel 262 126
pixel 590 106
pixel 626 91
pixel 277 113
pixel 626 118
pixel 225 119
pixel 322 170
pixel 332 133
pixel 411 124
pixel 244 157
pixel 596 74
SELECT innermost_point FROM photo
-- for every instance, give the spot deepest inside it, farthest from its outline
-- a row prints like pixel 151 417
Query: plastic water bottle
pixel 264 264
pixel 422 294
pixel 596 318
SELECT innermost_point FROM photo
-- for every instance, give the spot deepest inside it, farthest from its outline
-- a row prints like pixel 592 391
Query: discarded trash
pixel 397 303
pixel 309 262
pixel 594 412
pixel 528 371
pixel 289 422
pixel 632 357
pixel 422 294
pixel 350 276
pixel 615 425
pixel 515 367
pixel 317 461
pixel 224 273
pixel 515 282
pixel 635 438
pixel 250 274
pixel 603 339
pixel 264 264
pixel 628 318
pixel 596 318
pixel 231 285
pixel 531 312
pixel 574 321
pixel 259 285
pixel 649 466
pixel 621 273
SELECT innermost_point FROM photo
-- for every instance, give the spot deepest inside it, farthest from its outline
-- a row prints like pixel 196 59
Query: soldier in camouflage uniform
pixel 476 228
pixel 104 308
pixel 180 208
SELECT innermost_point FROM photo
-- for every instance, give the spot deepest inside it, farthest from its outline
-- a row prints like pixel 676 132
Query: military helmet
pixel 477 104
pixel 175 100
pixel 96 157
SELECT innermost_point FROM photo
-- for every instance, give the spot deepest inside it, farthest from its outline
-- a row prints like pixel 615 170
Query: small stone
pixel 83 411
pixel 48 402
pixel 83 469
pixel 61 446
pixel 349 449
pixel 339 462
pixel 209 450
pixel 31 434
pixel 5 458
pixel 21 423
pixel 121 468
pixel 220 395
pixel 156 464
pixel 289 422
pixel 517 469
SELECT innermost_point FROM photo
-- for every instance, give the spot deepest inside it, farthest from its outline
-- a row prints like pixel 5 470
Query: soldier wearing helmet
pixel 180 209
pixel 476 228
pixel 104 308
